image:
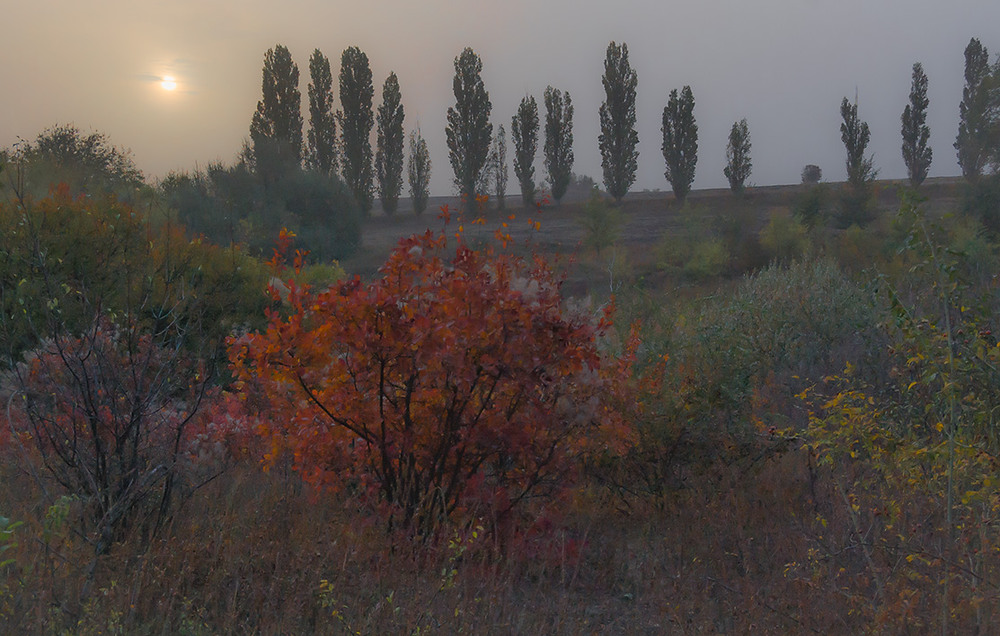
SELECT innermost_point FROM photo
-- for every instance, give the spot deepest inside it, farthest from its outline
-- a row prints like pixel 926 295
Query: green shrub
pixel 708 259
pixel 981 200
pixel 67 260
pixel 320 275
pixel 811 207
pixel 601 223
pixel 856 206
pixel 784 238
pixel 232 205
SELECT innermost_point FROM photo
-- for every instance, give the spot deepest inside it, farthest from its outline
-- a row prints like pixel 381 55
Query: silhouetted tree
pixel 356 121
pixel 558 140
pixel 916 153
pixel 973 141
pixel 322 137
pixel 618 138
pixel 812 173
pixel 738 164
pixel 419 172
pixel 389 153
pixel 680 141
pixel 855 200
pixel 88 164
pixel 498 166
pixel 856 135
pixel 469 130
pixel 524 130
pixel 276 129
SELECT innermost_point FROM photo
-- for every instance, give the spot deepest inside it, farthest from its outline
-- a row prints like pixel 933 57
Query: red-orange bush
pixel 450 387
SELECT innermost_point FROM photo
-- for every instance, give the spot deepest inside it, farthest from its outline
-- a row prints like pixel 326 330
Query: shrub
pixel 805 318
pixel 70 260
pixel 981 200
pixel 232 205
pixel 601 223
pixel 110 418
pixel 708 260
pixel 811 207
pixel 856 249
pixel 447 389
pixel 737 362
pixel 856 206
pixel 784 238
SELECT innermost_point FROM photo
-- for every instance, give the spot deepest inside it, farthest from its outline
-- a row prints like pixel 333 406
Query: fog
pixel 784 65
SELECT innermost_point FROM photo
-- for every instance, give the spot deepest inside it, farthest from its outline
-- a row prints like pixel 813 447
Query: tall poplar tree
pixel 276 129
pixel 618 138
pixel 389 151
pixel 856 135
pixel 558 140
pixel 916 153
pixel 738 164
pixel 498 166
pixel 680 142
pixel 419 172
pixel 356 121
pixel 856 204
pixel 524 130
pixel 974 126
pixel 469 130
pixel 322 137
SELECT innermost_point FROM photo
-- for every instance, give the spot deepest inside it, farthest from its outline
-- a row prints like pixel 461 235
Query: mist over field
pixel 782 64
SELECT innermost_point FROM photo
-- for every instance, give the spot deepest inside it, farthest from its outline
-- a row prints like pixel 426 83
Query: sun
pixel 168 83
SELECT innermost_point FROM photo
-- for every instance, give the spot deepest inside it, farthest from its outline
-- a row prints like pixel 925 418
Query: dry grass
pixel 259 553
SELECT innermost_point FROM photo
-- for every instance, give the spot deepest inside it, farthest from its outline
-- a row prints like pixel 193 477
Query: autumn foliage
pixel 455 386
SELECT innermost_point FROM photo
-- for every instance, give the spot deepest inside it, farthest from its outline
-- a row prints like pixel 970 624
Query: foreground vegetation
pixel 775 426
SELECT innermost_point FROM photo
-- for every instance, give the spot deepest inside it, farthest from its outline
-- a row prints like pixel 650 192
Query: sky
pixel 784 65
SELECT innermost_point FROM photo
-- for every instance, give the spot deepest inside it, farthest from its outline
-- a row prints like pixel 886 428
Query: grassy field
pixel 646 218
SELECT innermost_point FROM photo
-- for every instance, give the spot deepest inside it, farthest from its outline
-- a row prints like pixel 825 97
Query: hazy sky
pixel 785 65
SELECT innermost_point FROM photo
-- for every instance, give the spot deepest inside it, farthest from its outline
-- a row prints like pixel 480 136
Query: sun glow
pixel 168 83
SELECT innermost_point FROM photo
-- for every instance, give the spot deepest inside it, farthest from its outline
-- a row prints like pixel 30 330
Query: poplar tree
pixel 618 138
pixel 389 151
pixel 276 129
pixel 856 135
pixel 974 131
pixel 322 137
pixel 916 153
pixel 356 121
pixel 558 140
pixel 419 172
pixel 524 131
pixel 469 130
pixel 856 205
pixel 738 164
pixel 680 141
pixel 498 166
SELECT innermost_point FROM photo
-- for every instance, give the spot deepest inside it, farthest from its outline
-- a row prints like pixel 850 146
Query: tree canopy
pixel 917 153
pixel 356 121
pixel 322 150
pixel 389 150
pixel 680 141
pixel 276 129
pixel 469 130
pixel 618 138
pixel 524 130
pixel 558 140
